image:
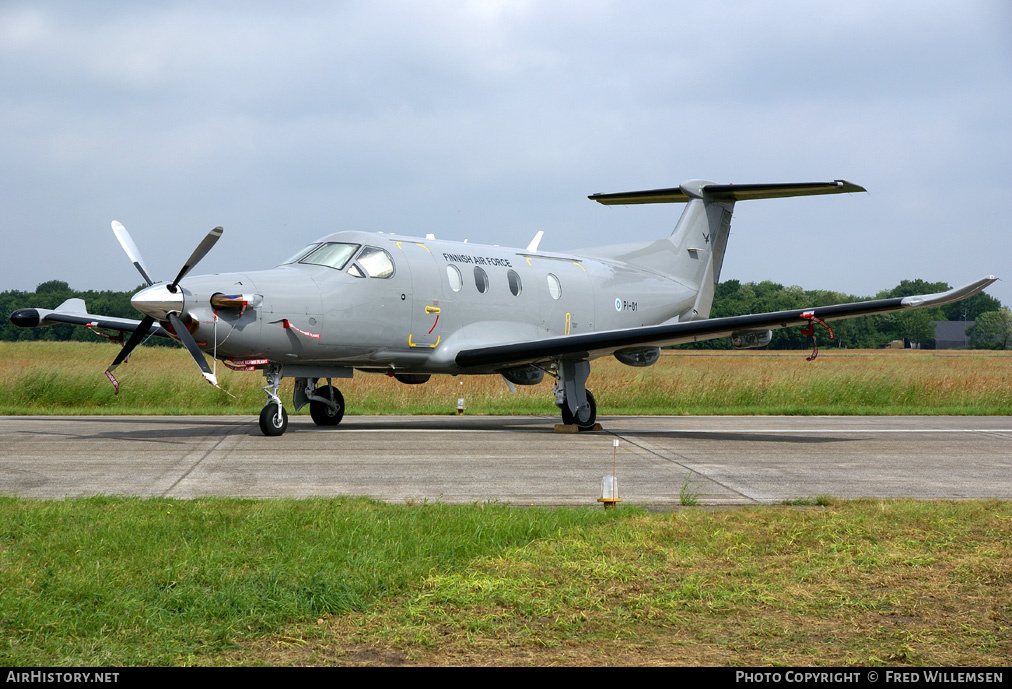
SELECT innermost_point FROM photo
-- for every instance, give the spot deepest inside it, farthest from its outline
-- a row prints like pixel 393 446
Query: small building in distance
pixel 951 334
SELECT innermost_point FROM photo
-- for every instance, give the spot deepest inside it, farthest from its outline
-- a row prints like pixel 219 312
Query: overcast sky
pixel 489 121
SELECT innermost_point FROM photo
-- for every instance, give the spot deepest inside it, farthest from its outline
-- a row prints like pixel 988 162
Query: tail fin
pixel 695 249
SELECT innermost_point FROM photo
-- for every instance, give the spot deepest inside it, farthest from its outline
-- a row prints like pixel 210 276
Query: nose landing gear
pixel 273 417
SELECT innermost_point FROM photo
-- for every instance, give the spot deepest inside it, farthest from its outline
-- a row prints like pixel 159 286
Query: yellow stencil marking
pixel 528 258
pixel 399 246
pixel 431 309
pixel 579 266
pixel 569 322
pixel 431 346
pixel 423 246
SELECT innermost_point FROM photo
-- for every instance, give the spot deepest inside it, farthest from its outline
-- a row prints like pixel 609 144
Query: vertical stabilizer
pixel 699 241
pixel 694 253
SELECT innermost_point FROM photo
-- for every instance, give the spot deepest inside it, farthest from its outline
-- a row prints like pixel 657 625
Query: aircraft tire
pixel 322 414
pixel 268 420
pixel 587 424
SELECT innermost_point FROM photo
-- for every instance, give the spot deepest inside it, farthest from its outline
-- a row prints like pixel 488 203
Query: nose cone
pixel 157 301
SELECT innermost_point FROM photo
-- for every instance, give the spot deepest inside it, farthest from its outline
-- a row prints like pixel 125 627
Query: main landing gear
pixel 575 401
pixel 326 404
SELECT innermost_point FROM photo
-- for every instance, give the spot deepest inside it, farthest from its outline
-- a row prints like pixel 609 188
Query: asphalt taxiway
pixel 517 460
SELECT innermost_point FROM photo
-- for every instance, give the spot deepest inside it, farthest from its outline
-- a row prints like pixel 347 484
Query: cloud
pixel 493 120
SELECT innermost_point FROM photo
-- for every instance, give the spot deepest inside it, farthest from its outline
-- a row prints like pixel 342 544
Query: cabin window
pixel 514 280
pixel 480 280
pixel 330 254
pixel 453 275
pixel 554 286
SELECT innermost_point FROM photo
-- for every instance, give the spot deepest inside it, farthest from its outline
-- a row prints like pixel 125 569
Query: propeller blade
pixel 197 254
pixel 191 346
pixel 135 339
pixel 127 242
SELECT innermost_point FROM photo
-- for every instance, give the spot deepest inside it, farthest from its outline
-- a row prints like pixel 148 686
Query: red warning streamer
pixel 117 338
pixel 245 364
pixel 112 379
pixel 288 324
pixel 810 331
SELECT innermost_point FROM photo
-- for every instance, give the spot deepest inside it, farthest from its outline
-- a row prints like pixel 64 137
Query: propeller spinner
pixel 162 302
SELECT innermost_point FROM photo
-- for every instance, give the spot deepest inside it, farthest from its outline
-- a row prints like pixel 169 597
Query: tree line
pixel 734 298
pixel 731 298
pixel 51 294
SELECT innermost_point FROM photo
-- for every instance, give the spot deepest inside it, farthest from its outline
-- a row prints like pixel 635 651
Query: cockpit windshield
pixel 300 255
pixel 330 254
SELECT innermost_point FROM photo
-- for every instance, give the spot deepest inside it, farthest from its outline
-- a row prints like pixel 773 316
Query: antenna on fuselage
pixel 533 246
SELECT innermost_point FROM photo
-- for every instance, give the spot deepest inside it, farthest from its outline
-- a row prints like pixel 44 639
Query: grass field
pixel 103 581
pixel 66 378
pixel 345 581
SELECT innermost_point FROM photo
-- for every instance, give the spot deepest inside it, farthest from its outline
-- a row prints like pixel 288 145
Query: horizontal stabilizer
pixel 726 192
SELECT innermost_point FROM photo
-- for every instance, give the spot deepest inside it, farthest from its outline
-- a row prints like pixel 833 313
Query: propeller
pixel 191 346
pixel 127 242
pixel 162 302
pixel 212 237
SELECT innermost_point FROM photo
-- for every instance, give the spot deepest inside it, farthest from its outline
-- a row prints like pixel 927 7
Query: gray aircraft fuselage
pixel 429 307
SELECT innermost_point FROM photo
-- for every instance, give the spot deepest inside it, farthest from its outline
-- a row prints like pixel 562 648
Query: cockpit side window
pixel 374 262
pixel 330 254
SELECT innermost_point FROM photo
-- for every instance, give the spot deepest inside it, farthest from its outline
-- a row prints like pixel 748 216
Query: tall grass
pixel 130 581
pixel 126 581
pixel 66 378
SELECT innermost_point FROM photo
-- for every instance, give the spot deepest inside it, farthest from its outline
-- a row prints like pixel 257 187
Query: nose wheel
pixel 273 419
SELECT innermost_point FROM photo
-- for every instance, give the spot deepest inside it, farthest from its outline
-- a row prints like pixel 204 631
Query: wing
pixel 593 345
pixel 75 312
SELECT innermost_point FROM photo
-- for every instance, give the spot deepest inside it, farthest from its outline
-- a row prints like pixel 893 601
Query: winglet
pixel 940 298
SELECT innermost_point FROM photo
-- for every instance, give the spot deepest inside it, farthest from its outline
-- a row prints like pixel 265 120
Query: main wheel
pixel 586 422
pixel 272 423
pixel 322 414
